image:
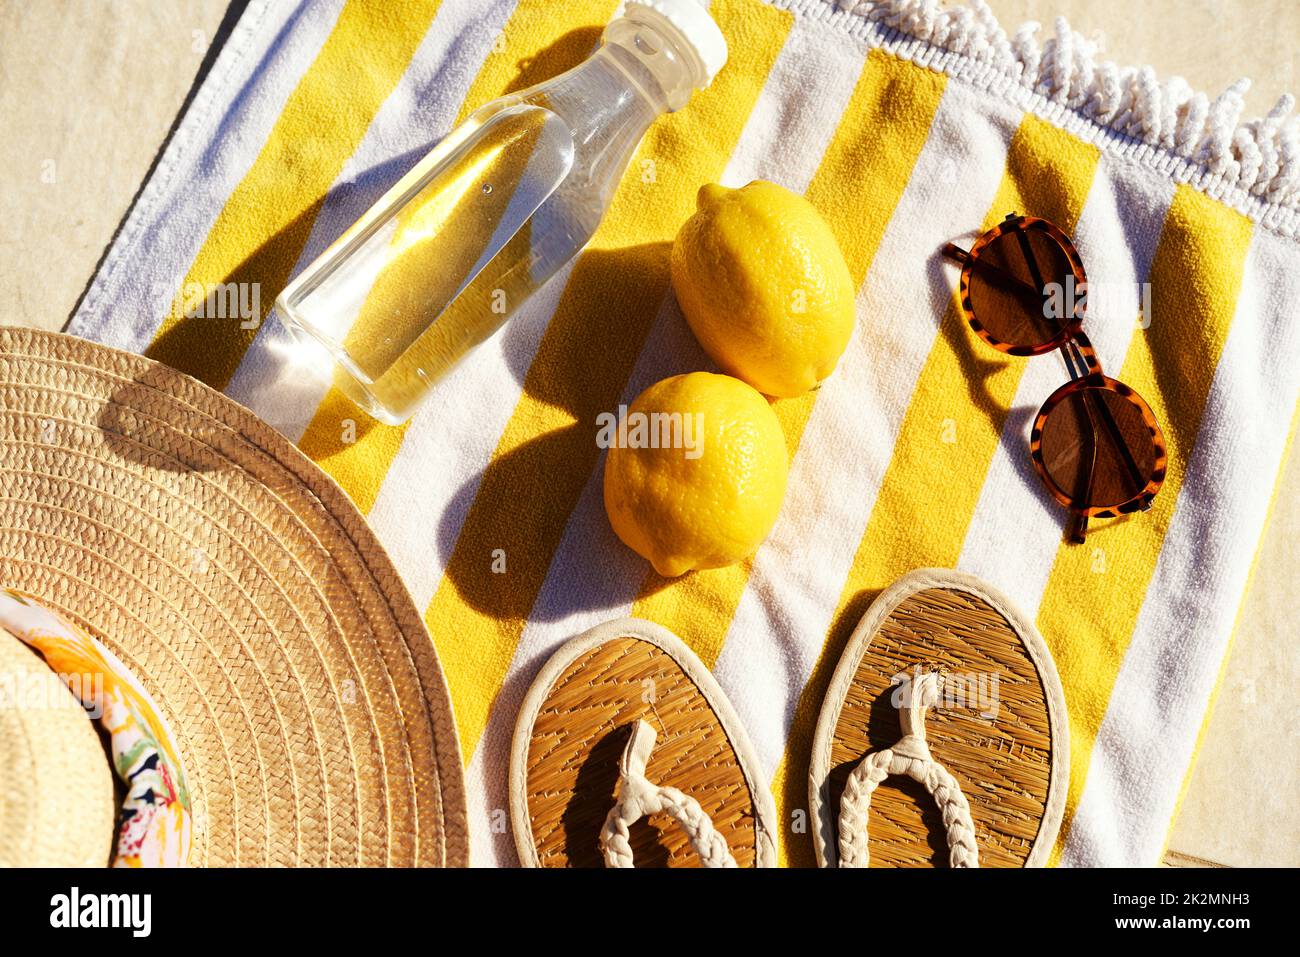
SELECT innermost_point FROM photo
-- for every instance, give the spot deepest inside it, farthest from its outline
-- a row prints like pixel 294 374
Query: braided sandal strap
pixel 911 757
pixel 638 797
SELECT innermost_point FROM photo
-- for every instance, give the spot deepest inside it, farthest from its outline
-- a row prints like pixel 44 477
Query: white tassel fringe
pixel 1220 152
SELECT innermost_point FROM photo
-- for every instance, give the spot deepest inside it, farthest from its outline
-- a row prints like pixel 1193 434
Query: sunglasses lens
pixel 1006 287
pixel 1112 425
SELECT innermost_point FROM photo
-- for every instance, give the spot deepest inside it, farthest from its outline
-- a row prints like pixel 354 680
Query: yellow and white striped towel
pixel 908 125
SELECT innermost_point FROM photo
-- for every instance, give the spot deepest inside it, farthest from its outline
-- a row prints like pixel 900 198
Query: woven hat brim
pixel 249 597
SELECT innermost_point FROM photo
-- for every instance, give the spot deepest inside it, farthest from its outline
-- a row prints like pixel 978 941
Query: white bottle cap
pixel 693 23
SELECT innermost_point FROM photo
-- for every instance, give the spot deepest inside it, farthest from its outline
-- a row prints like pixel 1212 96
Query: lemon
pixel 764 286
pixel 695 473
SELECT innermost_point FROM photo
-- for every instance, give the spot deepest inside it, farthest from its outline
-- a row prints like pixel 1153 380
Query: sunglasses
pixel 1095 443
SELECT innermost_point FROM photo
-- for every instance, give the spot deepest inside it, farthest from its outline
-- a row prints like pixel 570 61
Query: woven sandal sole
pixel 1001 729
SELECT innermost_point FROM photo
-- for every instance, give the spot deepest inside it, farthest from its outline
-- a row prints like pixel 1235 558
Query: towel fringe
pixel 1260 157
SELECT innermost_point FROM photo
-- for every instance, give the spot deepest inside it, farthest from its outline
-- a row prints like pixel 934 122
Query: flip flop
pixel 943 735
pixel 627 753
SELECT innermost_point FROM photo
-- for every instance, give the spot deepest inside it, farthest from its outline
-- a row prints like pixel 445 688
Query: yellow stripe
pixel 548 449
pixel 1091 603
pixel 859 182
pixel 931 486
pixel 541 39
pixel 265 223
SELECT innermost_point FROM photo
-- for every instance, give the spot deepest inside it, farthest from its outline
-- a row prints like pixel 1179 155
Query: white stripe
pixel 786 610
pixel 1017 526
pixel 262 62
pixel 413 118
pixel 783 140
pixel 1147 736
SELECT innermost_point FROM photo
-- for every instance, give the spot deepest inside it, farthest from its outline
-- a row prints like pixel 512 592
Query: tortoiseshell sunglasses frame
pixel 1085 373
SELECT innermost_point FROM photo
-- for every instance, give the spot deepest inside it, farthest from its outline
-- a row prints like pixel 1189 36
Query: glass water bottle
pixel 504 202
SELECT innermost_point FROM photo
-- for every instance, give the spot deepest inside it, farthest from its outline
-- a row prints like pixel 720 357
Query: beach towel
pixel 908 124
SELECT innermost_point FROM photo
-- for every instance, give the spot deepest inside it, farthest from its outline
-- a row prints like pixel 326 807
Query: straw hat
pixel 246 595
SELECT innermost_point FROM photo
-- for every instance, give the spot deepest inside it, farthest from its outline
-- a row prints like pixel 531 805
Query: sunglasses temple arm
pixel 956 253
pixel 986 268
pixel 1077 531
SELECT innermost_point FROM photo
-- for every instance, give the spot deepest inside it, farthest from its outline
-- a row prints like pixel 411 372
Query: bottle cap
pixel 693 24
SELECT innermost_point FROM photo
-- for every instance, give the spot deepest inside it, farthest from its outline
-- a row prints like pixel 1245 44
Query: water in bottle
pixel 503 203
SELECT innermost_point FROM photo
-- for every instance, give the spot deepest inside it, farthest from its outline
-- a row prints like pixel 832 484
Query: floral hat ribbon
pixel 154 824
